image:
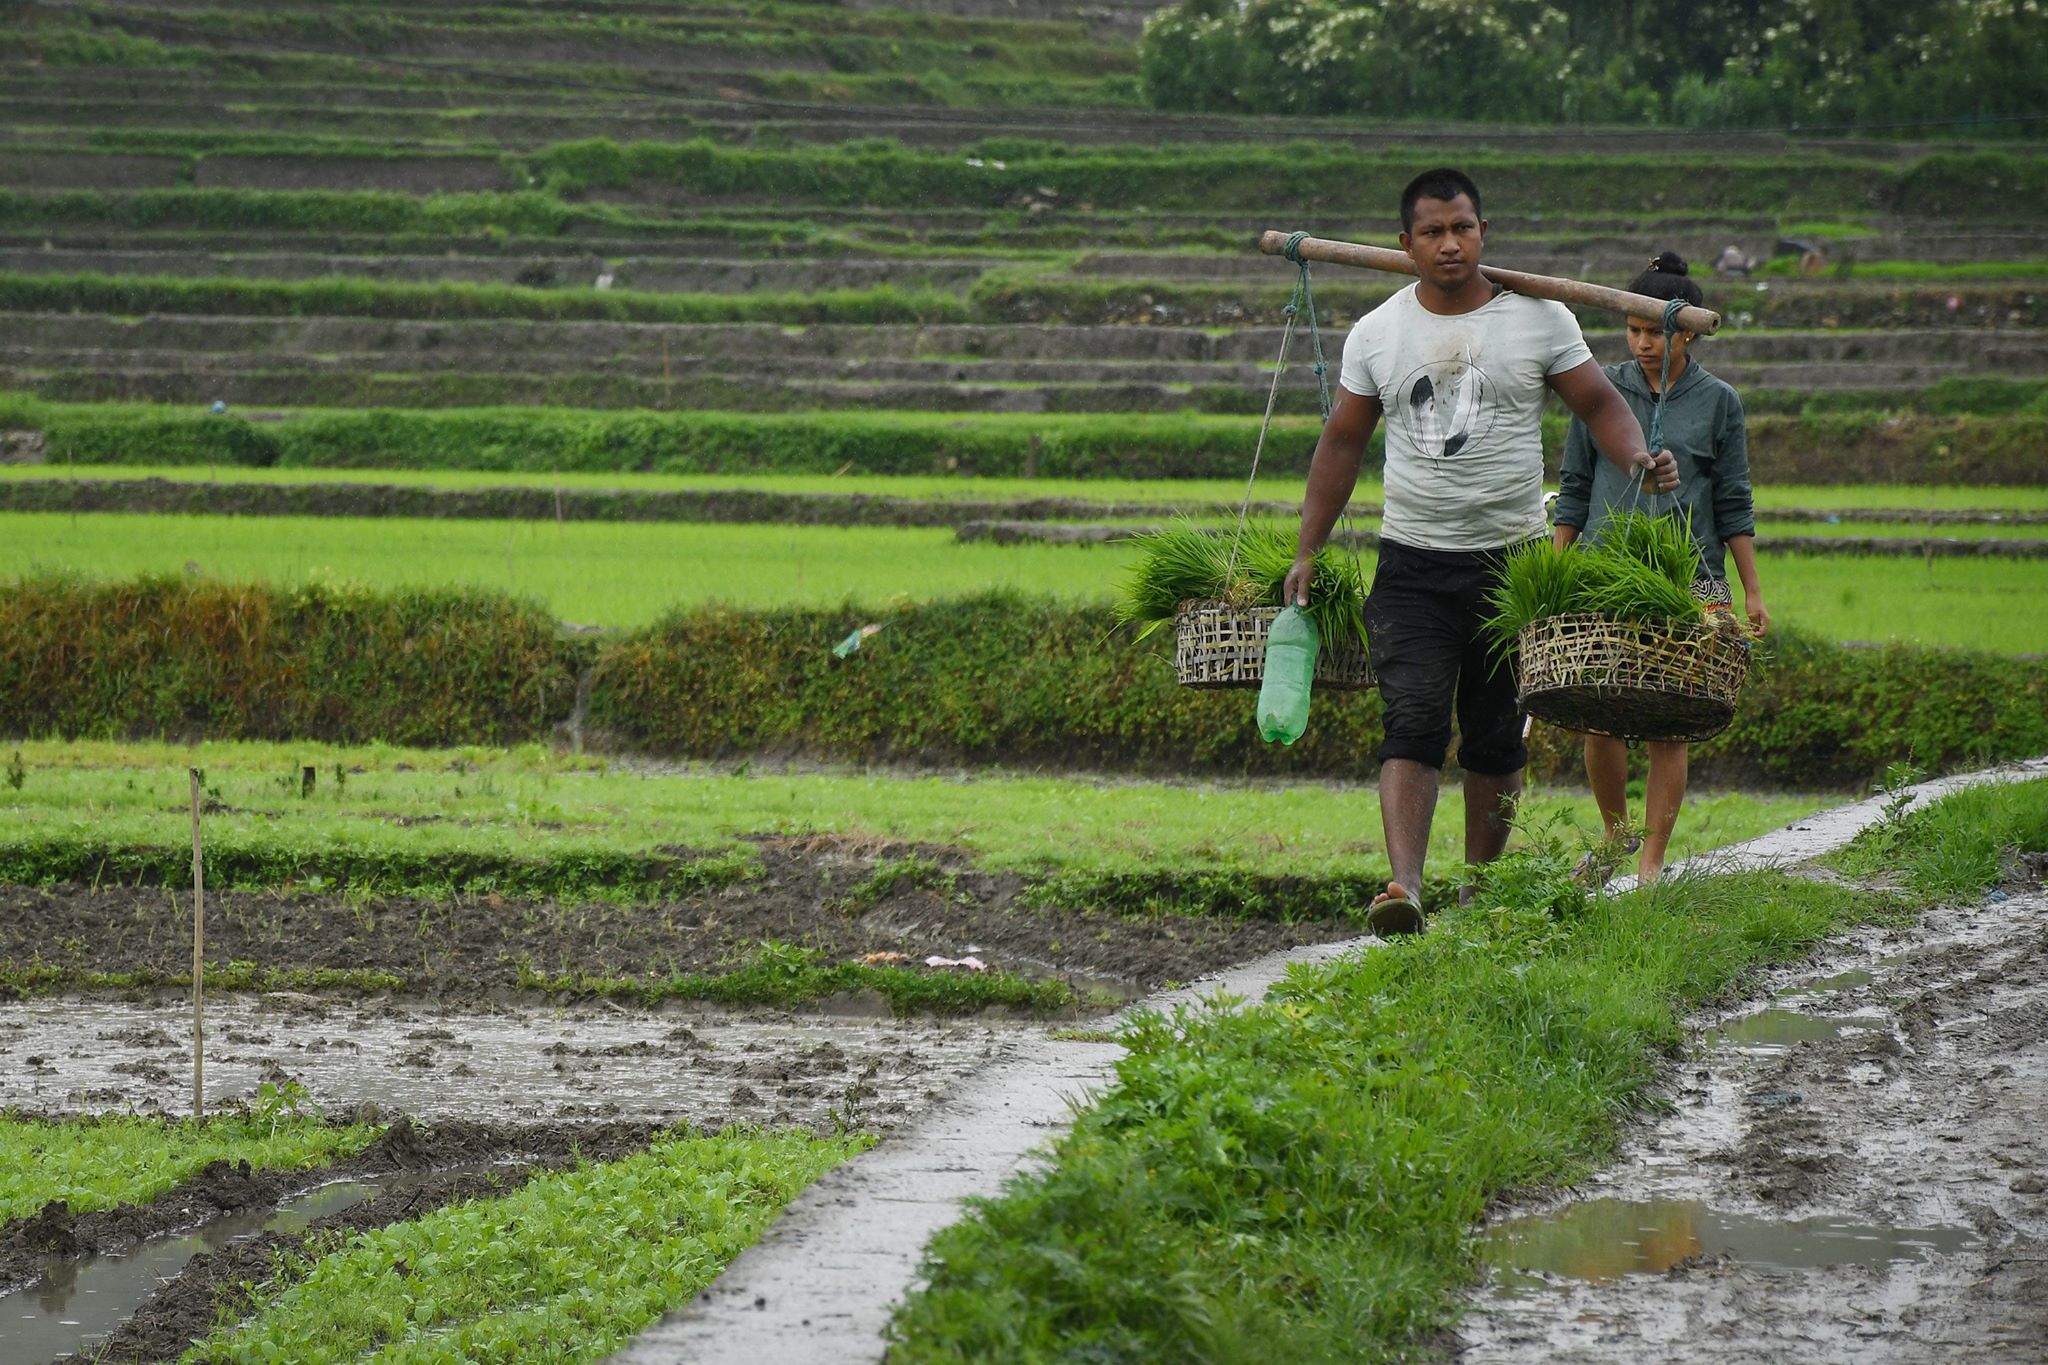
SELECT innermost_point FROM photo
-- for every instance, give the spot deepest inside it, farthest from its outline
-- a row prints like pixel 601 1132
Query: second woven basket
pixel 1633 679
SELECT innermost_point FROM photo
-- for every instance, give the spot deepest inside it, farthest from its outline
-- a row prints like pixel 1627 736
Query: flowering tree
pixel 1693 62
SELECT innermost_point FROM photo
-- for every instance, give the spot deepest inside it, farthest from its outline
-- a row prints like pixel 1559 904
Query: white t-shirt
pixel 1463 396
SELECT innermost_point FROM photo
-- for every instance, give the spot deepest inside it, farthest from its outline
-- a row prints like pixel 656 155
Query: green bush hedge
pixel 1025 683
pixel 190 659
pixel 1000 679
pixel 1306 175
pixel 546 441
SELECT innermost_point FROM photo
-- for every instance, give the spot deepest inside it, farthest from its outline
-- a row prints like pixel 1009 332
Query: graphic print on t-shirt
pixel 1446 406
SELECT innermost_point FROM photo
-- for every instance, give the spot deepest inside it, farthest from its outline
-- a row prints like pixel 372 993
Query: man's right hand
pixel 1658 472
pixel 1294 592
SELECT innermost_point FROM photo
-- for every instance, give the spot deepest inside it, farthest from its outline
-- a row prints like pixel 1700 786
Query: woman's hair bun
pixel 1668 263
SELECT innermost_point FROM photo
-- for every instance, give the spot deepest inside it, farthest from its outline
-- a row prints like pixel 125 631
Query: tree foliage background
pixel 1975 64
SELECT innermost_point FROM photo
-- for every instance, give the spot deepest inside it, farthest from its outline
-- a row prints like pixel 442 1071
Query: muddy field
pixel 115 1282
pixel 704 1067
pixel 1856 1169
pixel 471 950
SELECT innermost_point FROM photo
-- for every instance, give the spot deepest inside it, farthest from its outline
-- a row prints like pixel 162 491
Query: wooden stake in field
pixel 1702 321
pixel 198 960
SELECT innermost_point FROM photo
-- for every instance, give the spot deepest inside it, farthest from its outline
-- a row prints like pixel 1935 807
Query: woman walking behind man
pixel 1703 427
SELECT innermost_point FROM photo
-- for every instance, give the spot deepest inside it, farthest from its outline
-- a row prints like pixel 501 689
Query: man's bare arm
pixel 1332 474
pixel 1616 433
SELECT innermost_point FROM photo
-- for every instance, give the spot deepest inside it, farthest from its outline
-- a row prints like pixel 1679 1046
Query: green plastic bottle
pixel 1290 670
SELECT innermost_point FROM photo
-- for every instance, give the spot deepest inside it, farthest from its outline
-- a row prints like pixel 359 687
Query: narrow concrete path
pixel 821 1284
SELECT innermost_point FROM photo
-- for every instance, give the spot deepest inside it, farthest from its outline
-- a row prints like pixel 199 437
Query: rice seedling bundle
pixel 1222 591
pixel 1609 638
pixel 1640 569
pixel 1186 562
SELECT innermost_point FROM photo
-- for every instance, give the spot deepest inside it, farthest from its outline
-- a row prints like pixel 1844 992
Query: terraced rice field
pixel 632 309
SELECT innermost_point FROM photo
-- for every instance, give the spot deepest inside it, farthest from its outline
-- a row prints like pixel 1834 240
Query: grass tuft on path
pixel 1298 1180
pixel 1954 848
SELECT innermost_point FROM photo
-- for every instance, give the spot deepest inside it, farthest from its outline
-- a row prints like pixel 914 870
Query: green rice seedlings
pixel 1539 580
pixel 1630 590
pixel 1182 562
pixel 1336 595
pixel 1186 562
pixel 1664 543
pixel 1641 568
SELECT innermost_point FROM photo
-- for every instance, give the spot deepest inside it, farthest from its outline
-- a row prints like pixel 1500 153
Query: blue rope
pixel 1303 299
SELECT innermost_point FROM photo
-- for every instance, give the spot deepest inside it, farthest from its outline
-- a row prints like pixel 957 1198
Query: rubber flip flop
pixel 1602 865
pixel 1394 911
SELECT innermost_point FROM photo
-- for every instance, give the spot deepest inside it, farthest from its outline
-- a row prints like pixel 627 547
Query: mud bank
pixel 844 904
pixel 1854 1169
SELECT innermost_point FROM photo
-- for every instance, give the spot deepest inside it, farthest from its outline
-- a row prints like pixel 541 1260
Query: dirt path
pixel 1856 1170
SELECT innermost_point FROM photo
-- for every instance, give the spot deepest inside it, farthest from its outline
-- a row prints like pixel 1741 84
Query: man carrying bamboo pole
pixel 1459 370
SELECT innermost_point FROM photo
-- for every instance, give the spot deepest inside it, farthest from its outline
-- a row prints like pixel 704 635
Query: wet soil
pixel 813 892
pixel 227 1187
pixel 1854 1169
pixel 488 1161
pixel 600 1063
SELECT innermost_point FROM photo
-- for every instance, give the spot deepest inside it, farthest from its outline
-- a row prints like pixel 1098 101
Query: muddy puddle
pixel 77 1304
pixel 1774 1030
pixel 1852 1169
pixel 1601 1240
pixel 702 1067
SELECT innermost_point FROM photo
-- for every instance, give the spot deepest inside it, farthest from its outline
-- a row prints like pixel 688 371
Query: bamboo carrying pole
pixel 198 960
pixel 1704 321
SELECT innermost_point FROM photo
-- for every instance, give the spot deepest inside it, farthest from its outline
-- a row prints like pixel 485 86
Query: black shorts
pixel 1422 623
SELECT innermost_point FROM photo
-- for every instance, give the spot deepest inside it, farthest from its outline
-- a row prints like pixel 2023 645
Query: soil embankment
pixel 846 905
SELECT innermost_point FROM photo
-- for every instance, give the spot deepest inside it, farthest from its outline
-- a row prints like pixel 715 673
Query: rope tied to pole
pixel 1671 329
pixel 1656 435
pixel 1302 300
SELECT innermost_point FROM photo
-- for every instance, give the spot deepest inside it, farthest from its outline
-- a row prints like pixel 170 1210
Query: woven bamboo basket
pixel 1216 644
pixel 1632 679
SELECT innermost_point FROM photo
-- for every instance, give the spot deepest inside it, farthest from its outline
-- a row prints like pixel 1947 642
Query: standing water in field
pixel 77 1304
pixel 1289 673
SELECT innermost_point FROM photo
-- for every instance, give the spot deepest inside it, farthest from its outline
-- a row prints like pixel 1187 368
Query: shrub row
pixel 1018 681
pixel 209 497
pixel 1308 175
pixel 575 875
pixel 1820 446
pixel 997 679
pixel 1010 297
pixel 187 659
pixel 1001 297
pixel 342 297
pixel 548 441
